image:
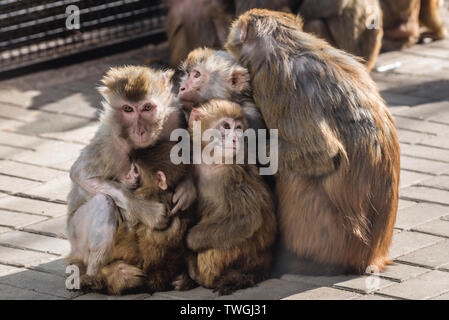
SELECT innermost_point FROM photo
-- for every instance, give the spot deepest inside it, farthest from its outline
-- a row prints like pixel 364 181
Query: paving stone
pixel 9 124
pixel 56 189
pixel 406 136
pixel 437 227
pixel 272 289
pixel 80 135
pixel 36 242
pixel 440 182
pixel 323 293
pixel 431 257
pixel 12 184
pixel 419 214
pixel 409 178
pixel 99 296
pixel 56 267
pixel 425 152
pixel 373 297
pixel 426 286
pixel 40 282
pixel 6 270
pixel 17 220
pixel 442 297
pixel 392 98
pixel 406 242
pixel 405 204
pixel 423 166
pixel 401 272
pixel 53 154
pixel 425 194
pixel 29 171
pixel 436 141
pixel 198 293
pixel 421 125
pixel 74 104
pixel 3 229
pixel 53 227
pixel 12 293
pixel 6 151
pixel 436 111
pixel 32 206
pixel 23 258
pixel 19 140
pixel 427 51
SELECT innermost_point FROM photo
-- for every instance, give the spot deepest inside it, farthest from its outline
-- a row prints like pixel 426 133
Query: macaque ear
pixel 243 31
pixel 161 180
pixel 239 79
pixel 167 76
pixel 195 115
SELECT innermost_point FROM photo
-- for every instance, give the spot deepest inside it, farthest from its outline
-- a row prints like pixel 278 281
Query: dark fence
pixel 41 30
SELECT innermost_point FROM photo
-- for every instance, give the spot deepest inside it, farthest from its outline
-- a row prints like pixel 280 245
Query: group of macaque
pixel 137 221
pixel 360 27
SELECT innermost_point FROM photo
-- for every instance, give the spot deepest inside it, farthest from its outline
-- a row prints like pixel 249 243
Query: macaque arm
pixel 315 9
pixel 225 229
pixel 254 117
pixel 185 193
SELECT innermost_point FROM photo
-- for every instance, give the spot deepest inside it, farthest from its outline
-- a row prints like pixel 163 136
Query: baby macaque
pixel 237 226
pixel 145 258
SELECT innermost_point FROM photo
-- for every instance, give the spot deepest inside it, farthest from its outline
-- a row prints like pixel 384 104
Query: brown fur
pixel 143 258
pixel 237 226
pixel 338 179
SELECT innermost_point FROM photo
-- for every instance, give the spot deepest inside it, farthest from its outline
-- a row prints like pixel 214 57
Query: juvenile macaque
pixel 145 258
pixel 211 74
pixel 337 186
pixel 140 110
pixel 402 20
pixel 237 226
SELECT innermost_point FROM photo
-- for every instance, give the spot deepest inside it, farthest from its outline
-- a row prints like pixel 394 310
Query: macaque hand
pixel 185 195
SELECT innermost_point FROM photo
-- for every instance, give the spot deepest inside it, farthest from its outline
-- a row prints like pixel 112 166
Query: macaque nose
pixel 182 89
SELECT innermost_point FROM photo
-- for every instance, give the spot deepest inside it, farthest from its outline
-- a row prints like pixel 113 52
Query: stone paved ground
pixel 47 117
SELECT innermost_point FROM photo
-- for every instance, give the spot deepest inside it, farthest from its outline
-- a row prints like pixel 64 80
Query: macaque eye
pixel 226 125
pixel 148 107
pixel 197 74
pixel 238 127
pixel 127 109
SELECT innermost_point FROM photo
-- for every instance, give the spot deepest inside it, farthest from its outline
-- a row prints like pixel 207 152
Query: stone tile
pixel 33 206
pixel 401 272
pixel 35 242
pixel 364 284
pixel 426 286
pixel 3 229
pixel 56 189
pixel 420 126
pixel 411 217
pixel 9 124
pixel 40 282
pixel 431 257
pixel 53 227
pixel 12 184
pixel 423 166
pixel 6 151
pixel 427 51
pixel 323 293
pixel 12 293
pixel 272 289
pixel 373 297
pixel 442 297
pixel 198 293
pixel 74 104
pixel 409 178
pixel 437 227
pixel 436 111
pixel 53 154
pixel 425 194
pixel 29 171
pixel 406 242
pixel 6 270
pixel 405 204
pixel 440 182
pixel 17 220
pixel 80 135
pixel 23 258
pixel 99 296
pixel 56 267
pixel 436 141
pixel 406 136
pixel 393 98
pixel 425 152
pixel 19 140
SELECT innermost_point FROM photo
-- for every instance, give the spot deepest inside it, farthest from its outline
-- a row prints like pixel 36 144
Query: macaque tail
pixel 234 280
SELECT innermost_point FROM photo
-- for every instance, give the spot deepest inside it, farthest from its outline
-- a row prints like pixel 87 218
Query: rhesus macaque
pixel 145 258
pixel 351 25
pixel 237 225
pixel 402 20
pixel 140 110
pixel 209 74
pixel 242 6
pixel 337 185
pixel 196 23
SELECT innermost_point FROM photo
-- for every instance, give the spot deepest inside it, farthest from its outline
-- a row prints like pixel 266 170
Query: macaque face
pixel 138 119
pixel 190 92
pixel 231 132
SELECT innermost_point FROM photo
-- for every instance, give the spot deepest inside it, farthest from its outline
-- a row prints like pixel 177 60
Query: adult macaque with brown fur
pixel 237 227
pixel 139 111
pixel 145 258
pixel 210 74
pixel 402 20
pixel 337 185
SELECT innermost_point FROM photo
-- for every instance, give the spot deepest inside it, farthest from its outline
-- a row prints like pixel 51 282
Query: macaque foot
pixel 91 283
pixel 183 282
